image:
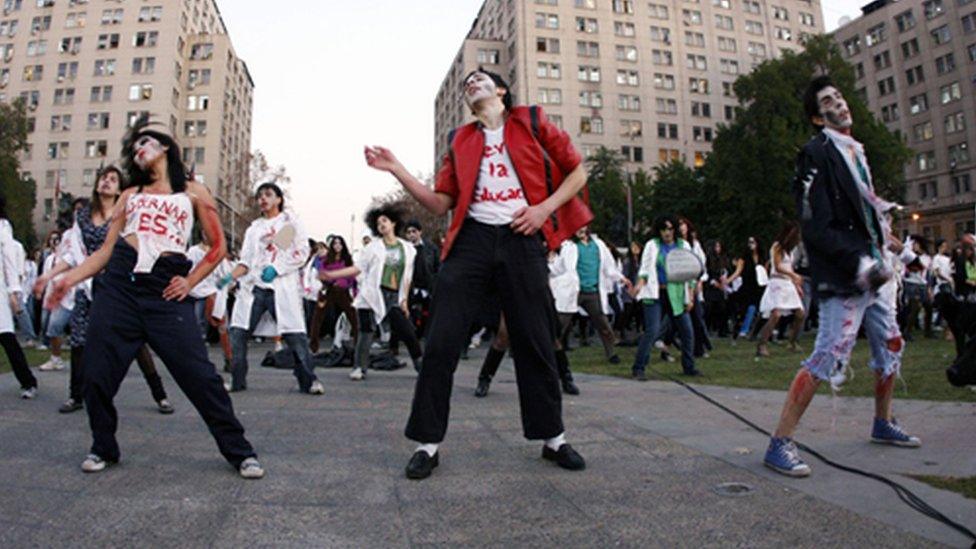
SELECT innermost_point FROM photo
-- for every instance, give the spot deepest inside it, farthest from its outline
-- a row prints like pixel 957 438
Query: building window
pixel 905 21
pixel 961 183
pixel 627 77
pixel 202 51
pixel 700 133
pixel 628 102
pixel 724 4
pixel 632 154
pixel 922 132
pixel 698 62
pixel 57 150
pixel 70 45
pixel 971 50
pixel 661 34
pixel 969 23
pixel 691 17
pixel 591 124
pixel 588 73
pixel 104 67
pixel 623 6
pixel 547 96
pixel 889 113
pixel 941 35
pixel 852 46
pixel 756 49
pixel 726 44
pixel 914 75
pixel 950 93
pixel 627 30
pixel 145 39
pixel 658 11
pixel 780 14
pixel 98 120
pixel 663 81
pixel 32 73
pixel 701 110
pixel 36 48
pixel 545 70
pixel 631 128
pixel 666 106
pixel 107 41
pixel 751 6
pixel 909 48
pixel 933 8
pixel 955 122
pixel 588 25
pixel 55 178
pixel 698 85
pixel 807 19
pixel 784 33
pixel 143 65
pixel 667 131
pixel 918 103
pixel 61 123
pixel 88 177
pixel 754 27
pixel 140 92
pixel 886 86
pixel 729 112
pixel 489 56
pixel 625 53
pixel 150 14
pixel 945 64
pixel 40 24
pixel 96 149
pixel 101 94
pixel 592 99
pixel 662 57
pixel 729 66
pixel 64 96
pixel 666 155
pixel 724 22
pixel 876 35
pixel 201 77
pixel 925 161
pixel 198 128
pixel 958 154
pixel 695 39
pixel 585 4
pixel 546 21
pixel 132 116
pixel 112 16
pixel 587 49
pixel 882 60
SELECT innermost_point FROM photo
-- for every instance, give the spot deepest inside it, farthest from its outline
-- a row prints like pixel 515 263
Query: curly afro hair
pixel 393 213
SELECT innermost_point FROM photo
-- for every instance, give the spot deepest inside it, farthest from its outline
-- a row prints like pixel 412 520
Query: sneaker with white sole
pixel 316 388
pixel 94 463
pixel 29 393
pixel 783 457
pixel 357 374
pixel 889 432
pixel 251 469
pixel 55 363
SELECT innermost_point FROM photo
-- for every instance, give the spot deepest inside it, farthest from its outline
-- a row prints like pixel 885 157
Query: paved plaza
pixel 656 459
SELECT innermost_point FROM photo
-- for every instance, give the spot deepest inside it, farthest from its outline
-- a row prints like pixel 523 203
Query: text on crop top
pixel 162 224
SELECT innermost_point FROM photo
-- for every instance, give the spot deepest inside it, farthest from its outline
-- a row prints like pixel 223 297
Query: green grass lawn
pixel 923 371
pixel 34 358
pixel 965 485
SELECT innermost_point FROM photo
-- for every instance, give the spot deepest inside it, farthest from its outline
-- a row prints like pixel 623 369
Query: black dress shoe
pixel 692 373
pixel 482 389
pixel 565 457
pixel 71 405
pixel 421 465
pixel 614 359
pixel 569 387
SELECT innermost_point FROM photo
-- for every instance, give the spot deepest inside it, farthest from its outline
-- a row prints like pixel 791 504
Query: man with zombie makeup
pixel 273 265
pixel 846 235
pixel 507 176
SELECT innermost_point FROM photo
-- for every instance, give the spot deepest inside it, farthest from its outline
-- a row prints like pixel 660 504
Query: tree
pixel 750 170
pixel 20 192
pixel 607 181
pixel 680 190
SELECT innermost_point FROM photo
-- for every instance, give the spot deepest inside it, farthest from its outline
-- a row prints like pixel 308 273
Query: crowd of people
pixel 518 263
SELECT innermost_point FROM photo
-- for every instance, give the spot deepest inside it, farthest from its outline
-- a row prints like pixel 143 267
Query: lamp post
pixel 628 182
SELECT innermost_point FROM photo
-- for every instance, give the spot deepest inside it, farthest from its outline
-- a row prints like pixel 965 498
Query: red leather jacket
pixel 540 164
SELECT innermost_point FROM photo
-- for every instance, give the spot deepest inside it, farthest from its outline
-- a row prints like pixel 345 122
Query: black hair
pixel 3 207
pixel 588 233
pixel 95 197
pixel 692 230
pixel 390 212
pixel 661 221
pixel 499 82
pixel 344 255
pixel 810 105
pixel 414 224
pixel 275 189
pixel 136 176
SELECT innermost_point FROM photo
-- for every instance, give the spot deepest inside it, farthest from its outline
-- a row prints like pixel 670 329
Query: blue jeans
pixel 264 300
pixel 653 313
pixel 840 320
pixel 25 326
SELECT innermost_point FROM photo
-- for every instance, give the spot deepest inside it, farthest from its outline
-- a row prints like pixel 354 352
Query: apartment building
pixel 915 62
pixel 88 68
pixel 650 79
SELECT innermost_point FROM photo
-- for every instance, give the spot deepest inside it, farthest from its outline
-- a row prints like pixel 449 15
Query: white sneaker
pixel 251 469
pixel 357 374
pixel 30 344
pixel 53 364
pixel 279 346
pixel 93 464
pixel 29 394
pixel 316 388
pixel 41 347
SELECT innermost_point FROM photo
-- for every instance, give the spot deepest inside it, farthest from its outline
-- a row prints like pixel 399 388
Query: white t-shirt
pixel 498 194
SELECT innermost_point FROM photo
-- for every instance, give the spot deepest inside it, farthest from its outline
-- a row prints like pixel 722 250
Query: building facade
pixel 88 68
pixel 650 79
pixel 915 61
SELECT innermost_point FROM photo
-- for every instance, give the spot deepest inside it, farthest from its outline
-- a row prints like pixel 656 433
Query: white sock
pixel 555 442
pixel 431 449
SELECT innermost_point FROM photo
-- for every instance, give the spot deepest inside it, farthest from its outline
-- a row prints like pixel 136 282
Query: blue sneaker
pixel 889 432
pixel 783 457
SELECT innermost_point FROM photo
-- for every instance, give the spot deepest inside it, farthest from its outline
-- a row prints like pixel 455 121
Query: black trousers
pixel 131 312
pixel 18 362
pixel 491 263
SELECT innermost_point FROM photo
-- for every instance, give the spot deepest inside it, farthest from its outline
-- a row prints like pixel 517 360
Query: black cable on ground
pixel 904 494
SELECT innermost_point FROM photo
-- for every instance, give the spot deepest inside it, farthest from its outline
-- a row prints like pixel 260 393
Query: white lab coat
pixel 311 285
pixel 257 252
pixel 564 268
pixel 9 275
pixel 370 262
pixel 648 271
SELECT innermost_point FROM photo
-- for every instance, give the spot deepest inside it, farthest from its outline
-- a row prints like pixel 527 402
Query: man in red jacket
pixel 508 177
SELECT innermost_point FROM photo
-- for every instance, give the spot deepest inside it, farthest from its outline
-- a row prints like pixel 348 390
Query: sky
pixel 332 76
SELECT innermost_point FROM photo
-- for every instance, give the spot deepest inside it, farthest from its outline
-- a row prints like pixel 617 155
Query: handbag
pixel 682 265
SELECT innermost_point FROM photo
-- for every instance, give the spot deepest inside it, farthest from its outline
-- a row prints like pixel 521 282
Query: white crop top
pixel 161 222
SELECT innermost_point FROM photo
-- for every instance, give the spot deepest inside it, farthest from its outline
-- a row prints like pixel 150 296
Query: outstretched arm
pixel 381 158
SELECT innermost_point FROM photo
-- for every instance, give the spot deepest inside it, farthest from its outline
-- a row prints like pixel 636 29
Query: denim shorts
pixel 58 322
pixel 840 320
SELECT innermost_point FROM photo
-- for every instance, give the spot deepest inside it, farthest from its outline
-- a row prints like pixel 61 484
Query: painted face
pixel 109 183
pixel 833 109
pixel 667 232
pixel 148 150
pixel 385 226
pixel 752 243
pixel 413 235
pixel 268 200
pixel 479 86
